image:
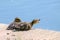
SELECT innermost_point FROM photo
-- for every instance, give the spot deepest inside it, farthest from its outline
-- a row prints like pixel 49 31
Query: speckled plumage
pixel 22 26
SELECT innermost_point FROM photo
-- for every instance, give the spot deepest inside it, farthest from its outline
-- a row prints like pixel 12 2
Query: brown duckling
pixel 19 25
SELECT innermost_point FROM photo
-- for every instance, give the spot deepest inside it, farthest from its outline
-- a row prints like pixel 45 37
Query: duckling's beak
pixel 39 20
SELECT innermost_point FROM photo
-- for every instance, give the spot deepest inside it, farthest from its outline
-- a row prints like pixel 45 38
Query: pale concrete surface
pixel 34 34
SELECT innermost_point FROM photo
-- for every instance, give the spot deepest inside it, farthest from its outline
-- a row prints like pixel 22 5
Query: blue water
pixel 46 10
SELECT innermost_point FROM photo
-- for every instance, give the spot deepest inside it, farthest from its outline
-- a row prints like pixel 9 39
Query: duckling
pixel 22 26
pixel 14 24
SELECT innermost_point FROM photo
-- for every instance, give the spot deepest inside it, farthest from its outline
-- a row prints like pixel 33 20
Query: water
pixel 47 10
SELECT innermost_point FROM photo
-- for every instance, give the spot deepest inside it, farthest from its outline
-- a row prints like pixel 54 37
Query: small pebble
pixel 7 33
